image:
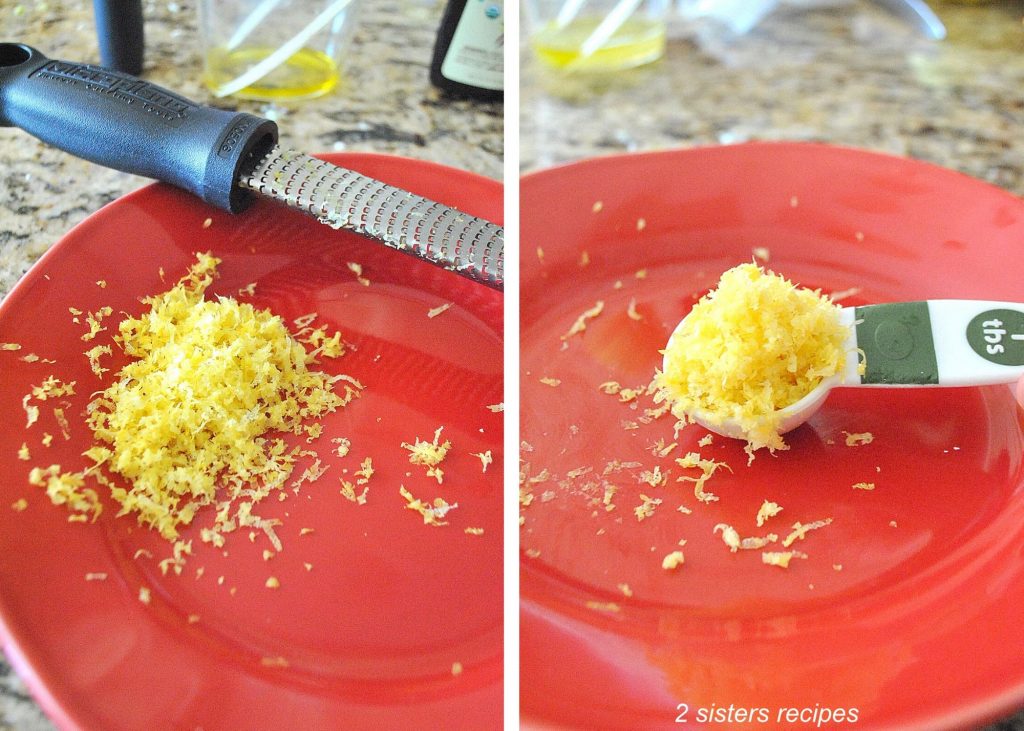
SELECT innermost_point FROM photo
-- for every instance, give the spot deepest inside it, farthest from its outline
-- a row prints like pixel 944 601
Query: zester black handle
pixel 128 124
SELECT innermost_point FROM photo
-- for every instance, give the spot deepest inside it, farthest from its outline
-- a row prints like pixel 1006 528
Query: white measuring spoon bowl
pixel 931 343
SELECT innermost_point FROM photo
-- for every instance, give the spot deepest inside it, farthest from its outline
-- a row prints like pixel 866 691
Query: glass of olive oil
pixel 596 35
pixel 274 50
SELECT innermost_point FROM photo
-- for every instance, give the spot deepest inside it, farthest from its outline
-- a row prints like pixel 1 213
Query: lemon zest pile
pixel 188 416
pixel 754 345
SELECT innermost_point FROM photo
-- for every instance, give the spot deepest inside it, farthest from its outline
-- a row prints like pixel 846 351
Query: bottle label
pixel 475 56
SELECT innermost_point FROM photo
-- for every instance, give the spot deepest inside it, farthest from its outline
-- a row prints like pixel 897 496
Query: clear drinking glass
pixel 596 35
pixel 274 50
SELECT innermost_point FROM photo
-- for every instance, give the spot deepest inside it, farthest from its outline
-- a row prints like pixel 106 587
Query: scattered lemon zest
pixel 800 530
pixel 429 454
pixel 581 322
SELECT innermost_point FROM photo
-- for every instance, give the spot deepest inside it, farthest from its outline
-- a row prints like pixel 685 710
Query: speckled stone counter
pixel 385 104
pixel 851 75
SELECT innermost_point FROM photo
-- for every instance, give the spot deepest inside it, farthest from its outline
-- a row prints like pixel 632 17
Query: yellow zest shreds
pixel 429 454
pixel 553 382
pixel 485 459
pixel 432 515
pixel 729 536
pixel 343 446
pixel 185 421
pixel 646 507
pixel 708 467
pixel 365 471
pixel 248 290
pixel 68 488
pixel 753 346
pixel 732 539
pixel 348 490
pixel 30 358
pixel 673 561
pixel 93 354
pixel 313 431
pixel 624 588
pixel 357 269
pixel 532 552
pixel 62 422
pixel 19 505
pixel 581 322
pixel 177 560
pixel 93 320
pixel 598 205
pixel 435 311
pixel 312 473
pixel 456 668
pixel 10 346
pixel 864 486
pixel 474 531
pixel 660 449
pixel 272 582
pixel 641 224
pixel 767 510
pixel 654 478
pixel 47 439
pixel 496 408
pixel 631 312
pixel 52 387
pixel 603 606
pixel 762 253
pixel 96 576
pixel 145 595
pixel 857 439
pixel 705 441
pixel 23 453
pixel 606 500
pixel 800 530
pixel 780 558
pixel 74 311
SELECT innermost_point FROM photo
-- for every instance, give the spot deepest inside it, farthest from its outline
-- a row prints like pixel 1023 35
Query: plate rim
pixel 991 708
pixel 60 712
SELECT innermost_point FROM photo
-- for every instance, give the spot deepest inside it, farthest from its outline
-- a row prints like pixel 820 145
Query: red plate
pixel 920 627
pixel 372 631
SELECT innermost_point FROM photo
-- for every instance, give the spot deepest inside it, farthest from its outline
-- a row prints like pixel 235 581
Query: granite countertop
pixel 849 74
pixel 385 104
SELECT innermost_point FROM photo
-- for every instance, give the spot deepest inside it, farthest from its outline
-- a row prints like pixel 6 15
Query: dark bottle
pixel 468 57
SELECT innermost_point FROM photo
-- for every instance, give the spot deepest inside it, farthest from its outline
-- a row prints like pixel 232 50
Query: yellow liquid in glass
pixel 306 74
pixel 638 41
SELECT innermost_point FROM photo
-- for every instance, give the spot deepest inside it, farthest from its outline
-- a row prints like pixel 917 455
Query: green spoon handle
pixel 941 342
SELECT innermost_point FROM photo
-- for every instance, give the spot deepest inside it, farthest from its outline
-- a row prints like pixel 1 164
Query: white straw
pixel 611 23
pixel 282 54
pixel 568 12
pixel 249 24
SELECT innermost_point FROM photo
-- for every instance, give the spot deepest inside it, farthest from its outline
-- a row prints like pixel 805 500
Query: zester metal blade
pixel 345 199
